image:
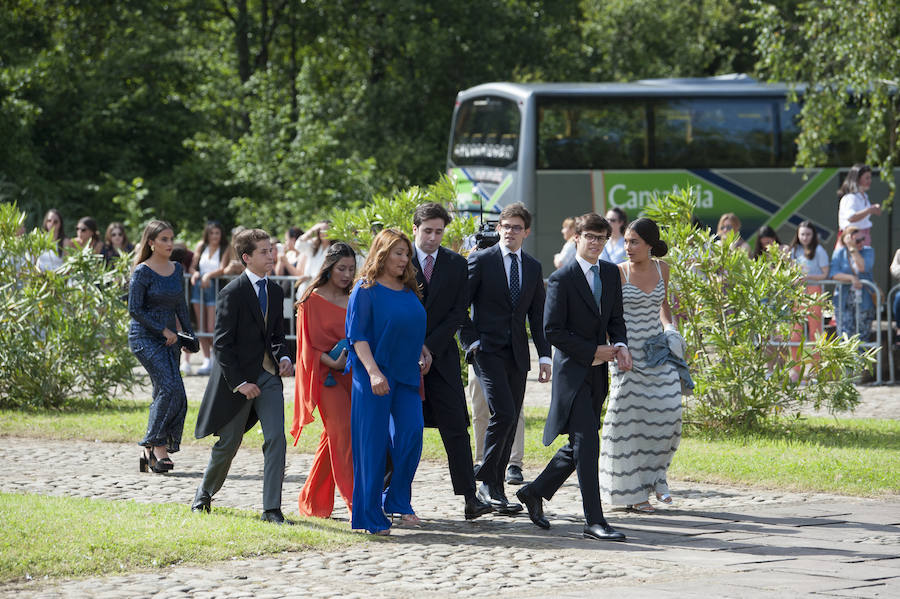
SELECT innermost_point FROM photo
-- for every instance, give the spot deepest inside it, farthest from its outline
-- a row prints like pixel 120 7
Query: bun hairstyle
pixel 648 230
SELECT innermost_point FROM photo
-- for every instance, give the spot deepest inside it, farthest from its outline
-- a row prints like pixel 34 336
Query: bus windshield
pixel 486 132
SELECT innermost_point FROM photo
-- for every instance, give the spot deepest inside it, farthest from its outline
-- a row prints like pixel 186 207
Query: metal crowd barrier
pixel 879 378
pixel 219 282
pixel 890 335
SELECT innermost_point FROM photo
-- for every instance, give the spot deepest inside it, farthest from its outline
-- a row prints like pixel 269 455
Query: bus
pixel 564 149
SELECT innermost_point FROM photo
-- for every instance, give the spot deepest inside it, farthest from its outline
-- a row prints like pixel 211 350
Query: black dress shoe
pixel 475 508
pixel 535 506
pixel 275 517
pixel 496 497
pixel 202 503
pixel 514 475
pixel 602 532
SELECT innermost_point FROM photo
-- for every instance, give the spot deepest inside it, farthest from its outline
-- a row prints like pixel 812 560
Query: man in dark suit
pixel 245 385
pixel 505 286
pixel 583 320
pixel 442 276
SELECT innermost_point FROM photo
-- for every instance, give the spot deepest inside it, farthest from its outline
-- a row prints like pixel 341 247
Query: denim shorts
pixel 207 296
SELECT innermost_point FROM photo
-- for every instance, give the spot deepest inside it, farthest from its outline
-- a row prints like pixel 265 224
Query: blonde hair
pixel 378 255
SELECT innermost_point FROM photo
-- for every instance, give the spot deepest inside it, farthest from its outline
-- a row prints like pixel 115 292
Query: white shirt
pixel 253 279
pixel 507 261
pixel 589 276
pixel 850 205
pixel 421 255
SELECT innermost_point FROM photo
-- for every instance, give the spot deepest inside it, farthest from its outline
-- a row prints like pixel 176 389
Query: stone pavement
pixel 715 541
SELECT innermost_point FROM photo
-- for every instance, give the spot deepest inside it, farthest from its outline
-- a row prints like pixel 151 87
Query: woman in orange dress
pixel 320 382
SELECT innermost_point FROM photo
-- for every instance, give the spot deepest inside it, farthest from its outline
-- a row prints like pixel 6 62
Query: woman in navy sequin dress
pixel 155 299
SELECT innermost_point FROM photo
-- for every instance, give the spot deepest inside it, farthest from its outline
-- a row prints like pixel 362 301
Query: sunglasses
pixel 81 229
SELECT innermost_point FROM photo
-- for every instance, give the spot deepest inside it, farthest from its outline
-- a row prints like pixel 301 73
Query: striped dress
pixel 642 426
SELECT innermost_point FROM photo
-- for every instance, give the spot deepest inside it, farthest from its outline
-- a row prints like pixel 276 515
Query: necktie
pixel 514 279
pixel 598 284
pixel 263 296
pixel 429 267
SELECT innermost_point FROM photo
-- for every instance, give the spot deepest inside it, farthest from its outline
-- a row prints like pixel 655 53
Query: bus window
pixel 710 133
pixel 576 134
pixel 844 148
pixel 486 132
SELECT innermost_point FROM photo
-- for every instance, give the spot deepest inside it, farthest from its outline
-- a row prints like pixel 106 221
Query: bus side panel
pixel 558 195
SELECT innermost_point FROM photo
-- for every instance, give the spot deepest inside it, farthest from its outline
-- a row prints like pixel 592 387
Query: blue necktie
pixel 598 284
pixel 263 296
pixel 514 280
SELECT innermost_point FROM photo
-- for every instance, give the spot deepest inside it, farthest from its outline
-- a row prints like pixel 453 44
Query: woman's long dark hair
pixel 763 231
pixel 333 255
pixel 151 231
pixel 223 239
pixel 60 234
pixel 809 252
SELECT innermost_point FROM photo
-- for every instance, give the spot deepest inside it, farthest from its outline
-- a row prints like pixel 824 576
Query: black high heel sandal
pixel 156 465
pixel 143 463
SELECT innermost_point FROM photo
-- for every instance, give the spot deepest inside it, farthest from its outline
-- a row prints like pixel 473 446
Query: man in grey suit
pixel 583 320
pixel 245 385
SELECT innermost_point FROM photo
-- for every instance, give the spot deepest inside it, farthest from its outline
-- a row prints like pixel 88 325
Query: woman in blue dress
pixel 386 330
pixel 155 299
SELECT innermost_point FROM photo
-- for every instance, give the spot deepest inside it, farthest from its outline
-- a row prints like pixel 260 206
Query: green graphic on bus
pixel 634 191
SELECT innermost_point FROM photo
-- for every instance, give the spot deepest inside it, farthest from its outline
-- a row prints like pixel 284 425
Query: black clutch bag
pixel 188 342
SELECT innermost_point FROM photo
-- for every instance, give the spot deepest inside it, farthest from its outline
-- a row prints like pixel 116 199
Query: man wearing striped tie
pixel 505 287
pixel 584 321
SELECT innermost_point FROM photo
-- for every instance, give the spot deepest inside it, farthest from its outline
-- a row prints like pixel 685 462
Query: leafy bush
pixel 733 312
pixel 358 226
pixel 63 335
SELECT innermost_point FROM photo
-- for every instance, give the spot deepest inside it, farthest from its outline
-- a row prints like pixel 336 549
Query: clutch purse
pixel 188 342
pixel 334 354
pixel 338 348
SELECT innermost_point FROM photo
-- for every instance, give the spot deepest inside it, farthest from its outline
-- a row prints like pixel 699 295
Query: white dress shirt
pixel 589 277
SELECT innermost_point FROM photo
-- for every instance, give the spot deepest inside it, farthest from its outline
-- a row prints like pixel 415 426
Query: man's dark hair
pixel 431 210
pixel 514 210
pixel 592 222
pixel 245 242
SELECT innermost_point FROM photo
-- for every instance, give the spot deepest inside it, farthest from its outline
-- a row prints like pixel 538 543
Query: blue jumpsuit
pixel 393 324
pixel 154 301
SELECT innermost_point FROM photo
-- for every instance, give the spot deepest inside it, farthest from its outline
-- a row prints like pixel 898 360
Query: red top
pixel 320 325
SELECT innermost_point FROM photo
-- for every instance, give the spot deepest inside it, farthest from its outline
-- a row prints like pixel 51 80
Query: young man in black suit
pixel 442 275
pixel 506 286
pixel 583 320
pixel 245 385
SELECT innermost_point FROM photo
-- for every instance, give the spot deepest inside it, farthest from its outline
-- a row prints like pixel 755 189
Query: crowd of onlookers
pixel 301 253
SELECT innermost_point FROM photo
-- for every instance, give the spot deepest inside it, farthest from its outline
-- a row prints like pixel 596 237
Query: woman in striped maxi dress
pixel 642 427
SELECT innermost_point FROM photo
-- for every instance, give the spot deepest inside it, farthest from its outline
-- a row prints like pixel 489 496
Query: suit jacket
pixel 576 327
pixel 494 322
pixel 444 299
pixel 242 336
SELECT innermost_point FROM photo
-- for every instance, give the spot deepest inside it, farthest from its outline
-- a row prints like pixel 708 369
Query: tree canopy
pixel 276 112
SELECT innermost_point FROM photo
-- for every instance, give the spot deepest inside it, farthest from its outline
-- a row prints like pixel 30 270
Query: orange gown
pixel 320 325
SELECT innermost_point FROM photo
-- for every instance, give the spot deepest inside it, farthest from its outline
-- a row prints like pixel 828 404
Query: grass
pixel 63 536
pixel 847 456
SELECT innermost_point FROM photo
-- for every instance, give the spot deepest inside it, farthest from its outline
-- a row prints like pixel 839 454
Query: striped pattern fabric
pixel 642 426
